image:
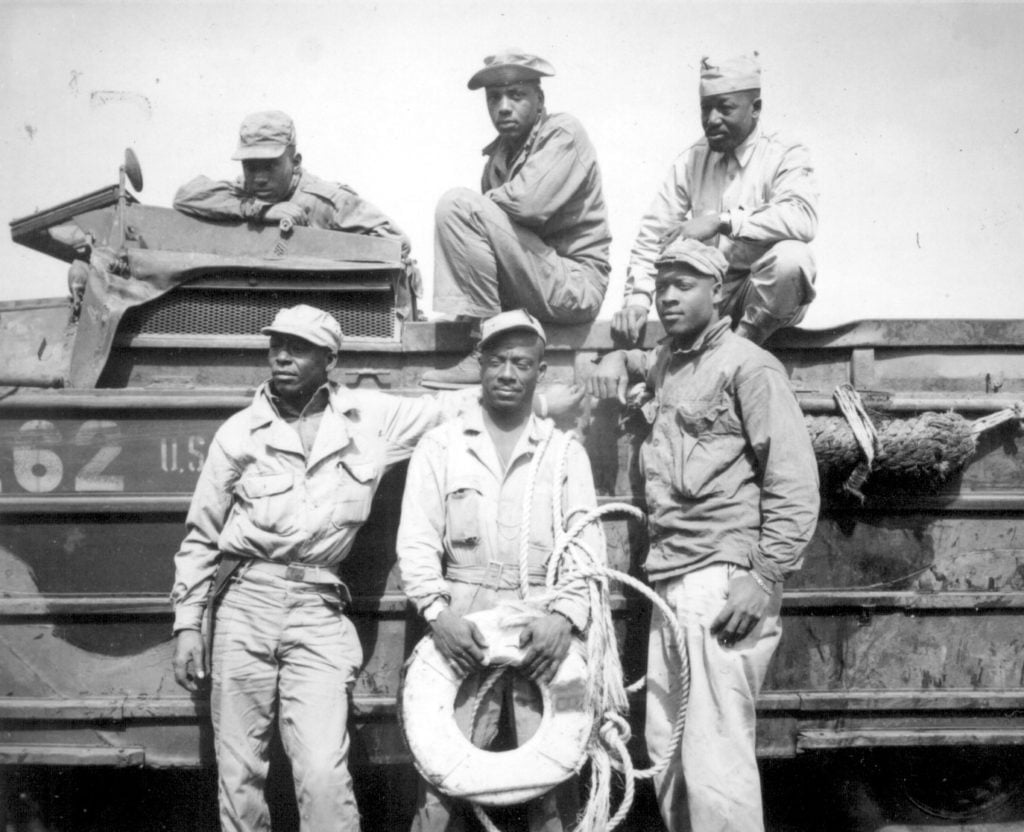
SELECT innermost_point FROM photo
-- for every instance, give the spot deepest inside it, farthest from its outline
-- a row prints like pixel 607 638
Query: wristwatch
pixel 725 218
pixel 434 609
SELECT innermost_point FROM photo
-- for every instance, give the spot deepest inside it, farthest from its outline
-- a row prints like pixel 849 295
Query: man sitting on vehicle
pixel 749 192
pixel 537 237
pixel 274 188
pixel 459 546
pixel 285 487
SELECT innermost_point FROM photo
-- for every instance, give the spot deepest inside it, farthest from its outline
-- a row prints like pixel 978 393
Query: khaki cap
pixel 509 321
pixel 309 323
pixel 701 258
pixel 731 75
pixel 509 66
pixel 265 135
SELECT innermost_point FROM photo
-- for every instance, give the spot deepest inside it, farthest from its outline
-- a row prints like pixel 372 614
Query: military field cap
pixel 731 75
pixel 309 323
pixel 515 319
pixel 509 66
pixel 265 135
pixel 693 253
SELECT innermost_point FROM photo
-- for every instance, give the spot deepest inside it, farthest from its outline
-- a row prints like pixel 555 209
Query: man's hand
pixel 563 398
pixel 191 668
pixel 460 641
pixel 288 212
pixel 744 607
pixel 700 228
pixel 611 378
pixel 628 323
pixel 547 641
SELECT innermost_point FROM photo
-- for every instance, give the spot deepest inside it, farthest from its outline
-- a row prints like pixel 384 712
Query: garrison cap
pixel 731 75
pixel 507 322
pixel 509 66
pixel 309 323
pixel 265 135
pixel 706 260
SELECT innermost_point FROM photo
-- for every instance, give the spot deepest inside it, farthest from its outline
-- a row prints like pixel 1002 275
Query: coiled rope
pixel 573 568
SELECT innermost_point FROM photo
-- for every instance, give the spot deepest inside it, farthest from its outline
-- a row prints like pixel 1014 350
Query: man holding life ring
pixel 459 546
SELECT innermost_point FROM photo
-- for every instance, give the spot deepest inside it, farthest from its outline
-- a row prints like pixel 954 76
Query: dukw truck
pixel 896 698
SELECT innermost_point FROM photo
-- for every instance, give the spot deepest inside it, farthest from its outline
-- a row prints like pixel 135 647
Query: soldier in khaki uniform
pixel 275 188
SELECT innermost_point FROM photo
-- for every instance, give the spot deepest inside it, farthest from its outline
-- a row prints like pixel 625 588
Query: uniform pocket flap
pixel 363 472
pixel 253 488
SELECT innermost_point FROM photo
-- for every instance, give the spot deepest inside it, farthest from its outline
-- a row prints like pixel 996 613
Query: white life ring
pixel 445 756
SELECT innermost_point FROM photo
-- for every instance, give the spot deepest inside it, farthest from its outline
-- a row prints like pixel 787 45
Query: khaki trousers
pixel 712 784
pixel 485 263
pixel 283 651
pixel 775 292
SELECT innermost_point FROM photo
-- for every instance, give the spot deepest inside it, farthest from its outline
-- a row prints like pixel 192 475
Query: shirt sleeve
pixel 790 497
pixel 668 210
pixel 196 562
pixel 217 200
pixel 354 214
pixel 578 498
pixel 408 418
pixel 791 211
pixel 420 542
pixel 551 175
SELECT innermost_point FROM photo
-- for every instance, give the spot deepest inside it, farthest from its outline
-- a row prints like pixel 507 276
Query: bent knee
pixel 792 259
pixel 457 203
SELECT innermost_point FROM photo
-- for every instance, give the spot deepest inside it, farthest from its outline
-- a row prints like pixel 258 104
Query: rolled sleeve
pixel 216 200
pixel 421 530
pixel 196 561
pixel 789 493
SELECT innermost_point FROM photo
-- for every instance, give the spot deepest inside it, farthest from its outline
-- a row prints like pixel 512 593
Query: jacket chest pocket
pixel 270 501
pixel 462 506
pixel 354 492
pixel 710 440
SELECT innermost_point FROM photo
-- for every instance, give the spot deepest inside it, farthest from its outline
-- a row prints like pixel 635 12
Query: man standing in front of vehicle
pixel 285 487
pixel 748 191
pixel 731 486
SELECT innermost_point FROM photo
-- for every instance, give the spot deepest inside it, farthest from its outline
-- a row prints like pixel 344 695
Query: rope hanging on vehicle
pixel 923 451
pixel 574 567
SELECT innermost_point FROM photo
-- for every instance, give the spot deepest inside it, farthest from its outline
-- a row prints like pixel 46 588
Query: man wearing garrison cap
pixel 537 236
pixel 732 500
pixel 275 188
pixel 746 190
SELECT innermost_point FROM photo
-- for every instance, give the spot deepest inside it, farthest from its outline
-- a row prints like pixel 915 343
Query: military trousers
pixel 712 783
pixel 284 653
pixel 485 263
pixel 774 293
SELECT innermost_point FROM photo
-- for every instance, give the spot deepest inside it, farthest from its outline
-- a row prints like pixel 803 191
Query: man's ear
pixel 332 360
pixel 542 368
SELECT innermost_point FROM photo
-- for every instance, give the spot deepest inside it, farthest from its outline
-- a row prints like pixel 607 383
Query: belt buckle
pixel 295 573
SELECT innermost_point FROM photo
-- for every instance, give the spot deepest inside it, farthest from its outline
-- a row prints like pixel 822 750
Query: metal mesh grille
pixel 362 315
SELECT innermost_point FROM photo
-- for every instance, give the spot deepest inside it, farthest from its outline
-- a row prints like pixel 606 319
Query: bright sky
pixel 913 114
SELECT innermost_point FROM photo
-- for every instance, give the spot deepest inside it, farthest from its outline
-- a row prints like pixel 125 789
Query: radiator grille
pixel 362 315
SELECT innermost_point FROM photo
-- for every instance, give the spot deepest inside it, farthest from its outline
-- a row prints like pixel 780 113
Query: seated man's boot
pixel 463 374
pixel 466 372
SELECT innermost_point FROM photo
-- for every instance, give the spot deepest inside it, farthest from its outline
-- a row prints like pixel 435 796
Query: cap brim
pixel 263 151
pixel 493 76
pixel 273 330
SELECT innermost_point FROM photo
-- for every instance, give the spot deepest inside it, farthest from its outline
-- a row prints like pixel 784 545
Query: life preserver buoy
pixel 445 756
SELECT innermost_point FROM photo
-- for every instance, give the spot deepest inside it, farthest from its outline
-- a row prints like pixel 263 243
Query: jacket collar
pixel 709 338
pixel 480 444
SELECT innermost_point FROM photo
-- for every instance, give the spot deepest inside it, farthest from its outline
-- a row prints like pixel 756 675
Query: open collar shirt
pixel 767 185
pixel 730 475
pixel 463 512
pixel 261 494
pixel 552 186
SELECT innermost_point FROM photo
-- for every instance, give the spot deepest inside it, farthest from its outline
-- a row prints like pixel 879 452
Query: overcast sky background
pixel 912 111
